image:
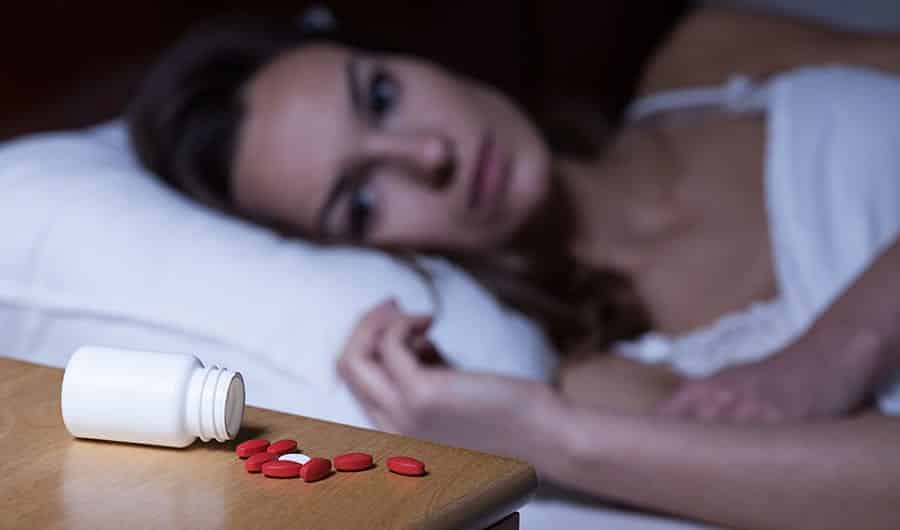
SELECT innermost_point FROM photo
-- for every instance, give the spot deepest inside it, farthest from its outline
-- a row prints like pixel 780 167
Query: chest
pixel 719 260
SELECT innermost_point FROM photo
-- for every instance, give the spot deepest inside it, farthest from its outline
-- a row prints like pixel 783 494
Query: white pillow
pixel 94 250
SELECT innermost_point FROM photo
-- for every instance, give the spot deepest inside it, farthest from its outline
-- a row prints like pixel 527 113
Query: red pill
pixel 254 463
pixel 251 447
pixel 352 462
pixel 282 446
pixel 281 469
pixel 316 469
pixel 405 465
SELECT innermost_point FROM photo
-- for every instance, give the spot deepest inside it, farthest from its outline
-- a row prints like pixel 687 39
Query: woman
pixel 340 144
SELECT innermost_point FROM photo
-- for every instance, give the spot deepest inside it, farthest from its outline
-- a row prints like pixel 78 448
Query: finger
pixel 425 350
pixel 367 333
pixel 673 407
pixel 682 404
pixel 418 328
pixel 760 412
pixel 421 323
pixel 427 353
pixel 747 411
pixel 372 388
pixel 379 418
pixel 715 406
pixel 381 421
pixel 397 354
pixel 358 366
pixel 772 415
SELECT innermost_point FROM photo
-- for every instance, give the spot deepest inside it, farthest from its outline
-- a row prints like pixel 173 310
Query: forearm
pixel 837 475
pixel 860 332
pixel 608 382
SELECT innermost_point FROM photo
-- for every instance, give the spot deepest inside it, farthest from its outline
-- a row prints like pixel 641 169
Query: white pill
pixel 295 457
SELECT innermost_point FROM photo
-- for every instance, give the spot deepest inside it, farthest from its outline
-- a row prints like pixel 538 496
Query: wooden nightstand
pixel 49 480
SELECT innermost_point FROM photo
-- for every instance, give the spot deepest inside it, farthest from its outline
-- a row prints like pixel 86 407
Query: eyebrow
pixel 343 181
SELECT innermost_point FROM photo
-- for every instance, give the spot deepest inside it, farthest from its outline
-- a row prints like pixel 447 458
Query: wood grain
pixel 49 480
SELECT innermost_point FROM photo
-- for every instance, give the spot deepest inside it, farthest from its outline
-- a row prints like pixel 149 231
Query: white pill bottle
pixel 149 398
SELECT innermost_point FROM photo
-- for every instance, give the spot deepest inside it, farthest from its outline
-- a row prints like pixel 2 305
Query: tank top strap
pixel 737 95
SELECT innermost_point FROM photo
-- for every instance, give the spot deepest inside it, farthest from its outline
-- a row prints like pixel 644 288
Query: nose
pixel 429 156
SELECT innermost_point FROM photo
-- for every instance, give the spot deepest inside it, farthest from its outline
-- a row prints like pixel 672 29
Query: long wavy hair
pixel 184 124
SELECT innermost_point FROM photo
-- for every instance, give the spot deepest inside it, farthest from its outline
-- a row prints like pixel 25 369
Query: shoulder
pixel 711 44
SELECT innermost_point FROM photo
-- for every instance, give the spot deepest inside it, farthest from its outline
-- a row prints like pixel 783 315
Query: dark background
pixel 73 63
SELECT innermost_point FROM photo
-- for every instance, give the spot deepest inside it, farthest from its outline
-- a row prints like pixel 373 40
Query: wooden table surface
pixel 49 480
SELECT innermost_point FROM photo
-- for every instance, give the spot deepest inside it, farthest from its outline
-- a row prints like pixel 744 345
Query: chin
pixel 528 199
pixel 531 187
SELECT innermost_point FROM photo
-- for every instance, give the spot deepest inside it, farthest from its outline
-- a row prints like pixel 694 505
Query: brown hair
pixel 184 124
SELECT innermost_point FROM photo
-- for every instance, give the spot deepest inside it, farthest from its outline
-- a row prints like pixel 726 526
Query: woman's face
pixel 386 150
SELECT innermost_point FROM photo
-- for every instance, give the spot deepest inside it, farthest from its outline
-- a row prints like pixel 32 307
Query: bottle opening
pixel 234 406
pixel 218 409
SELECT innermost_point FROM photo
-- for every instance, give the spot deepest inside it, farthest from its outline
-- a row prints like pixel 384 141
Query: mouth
pixel 489 176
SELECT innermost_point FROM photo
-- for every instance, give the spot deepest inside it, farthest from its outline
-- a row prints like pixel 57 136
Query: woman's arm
pixel 832 369
pixel 608 382
pixel 860 332
pixel 711 44
pixel 842 474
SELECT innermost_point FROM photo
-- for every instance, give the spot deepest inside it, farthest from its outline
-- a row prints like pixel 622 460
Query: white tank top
pixel 832 180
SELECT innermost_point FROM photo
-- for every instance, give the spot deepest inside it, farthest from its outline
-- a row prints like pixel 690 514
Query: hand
pixel 794 384
pixel 401 394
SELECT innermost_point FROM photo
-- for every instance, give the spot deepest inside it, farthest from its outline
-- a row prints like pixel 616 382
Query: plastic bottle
pixel 149 398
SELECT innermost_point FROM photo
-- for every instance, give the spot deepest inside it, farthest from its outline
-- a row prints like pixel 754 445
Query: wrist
pixel 552 430
pixel 545 417
pixel 574 437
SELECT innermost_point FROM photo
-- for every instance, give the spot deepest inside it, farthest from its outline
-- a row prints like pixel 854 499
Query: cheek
pixel 414 218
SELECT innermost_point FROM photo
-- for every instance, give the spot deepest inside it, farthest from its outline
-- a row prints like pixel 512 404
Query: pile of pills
pixel 281 459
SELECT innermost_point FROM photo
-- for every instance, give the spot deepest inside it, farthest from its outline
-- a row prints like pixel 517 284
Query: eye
pixel 383 93
pixel 360 212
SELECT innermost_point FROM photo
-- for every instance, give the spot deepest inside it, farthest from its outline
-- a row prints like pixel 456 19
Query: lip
pixel 489 176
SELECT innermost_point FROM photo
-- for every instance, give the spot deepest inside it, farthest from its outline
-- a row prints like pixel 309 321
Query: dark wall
pixel 72 63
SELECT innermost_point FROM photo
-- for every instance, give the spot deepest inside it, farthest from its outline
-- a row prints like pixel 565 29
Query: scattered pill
pixel 405 465
pixel 251 447
pixel 316 469
pixel 255 462
pixel 353 462
pixel 283 446
pixel 295 457
pixel 281 469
